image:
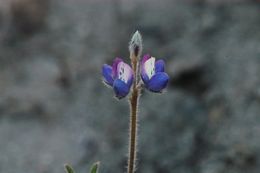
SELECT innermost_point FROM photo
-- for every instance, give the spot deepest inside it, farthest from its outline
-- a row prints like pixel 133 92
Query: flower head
pixel 119 76
pixel 153 75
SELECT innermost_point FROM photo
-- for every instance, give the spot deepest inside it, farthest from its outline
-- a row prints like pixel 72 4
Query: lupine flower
pixel 153 75
pixel 119 77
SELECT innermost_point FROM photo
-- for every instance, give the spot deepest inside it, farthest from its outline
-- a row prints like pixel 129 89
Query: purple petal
pixel 145 58
pixel 121 89
pixel 158 82
pixel 159 66
pixel 107 74
pixel 114 69
pixel 144 75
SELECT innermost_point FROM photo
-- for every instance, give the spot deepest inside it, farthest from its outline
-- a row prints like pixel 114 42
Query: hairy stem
pixel 134 98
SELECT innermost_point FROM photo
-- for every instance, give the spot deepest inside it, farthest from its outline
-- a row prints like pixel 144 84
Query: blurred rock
pixel 189 75
pixel 28 16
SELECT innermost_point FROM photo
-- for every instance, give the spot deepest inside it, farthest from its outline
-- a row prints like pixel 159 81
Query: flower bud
pixel 136 44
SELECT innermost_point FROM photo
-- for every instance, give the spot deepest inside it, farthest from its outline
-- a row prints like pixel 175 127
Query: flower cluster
pixel 120 75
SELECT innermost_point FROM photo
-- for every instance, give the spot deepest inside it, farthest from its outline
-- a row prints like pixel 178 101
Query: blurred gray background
pixel 54 108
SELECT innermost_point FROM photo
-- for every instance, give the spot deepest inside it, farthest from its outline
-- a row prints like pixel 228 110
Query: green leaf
pixel 94 168
pixel 68 168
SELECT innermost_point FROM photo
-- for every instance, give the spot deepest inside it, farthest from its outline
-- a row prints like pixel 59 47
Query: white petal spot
pixel 149 67
pixel 124 72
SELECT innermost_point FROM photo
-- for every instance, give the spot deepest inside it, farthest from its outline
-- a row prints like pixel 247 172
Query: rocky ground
pixel 54 108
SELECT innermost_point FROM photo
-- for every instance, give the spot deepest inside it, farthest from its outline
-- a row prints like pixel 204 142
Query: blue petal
pixel 130 81
pixel 107 74
pixel 121 88
pixel 159 66
pixel 144 77
pixel 158 82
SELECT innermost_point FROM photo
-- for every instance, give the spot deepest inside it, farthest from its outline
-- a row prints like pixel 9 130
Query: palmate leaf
pixel 68 168
pixel 94 168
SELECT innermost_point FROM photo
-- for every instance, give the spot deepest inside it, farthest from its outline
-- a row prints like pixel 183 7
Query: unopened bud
pixel 136 44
